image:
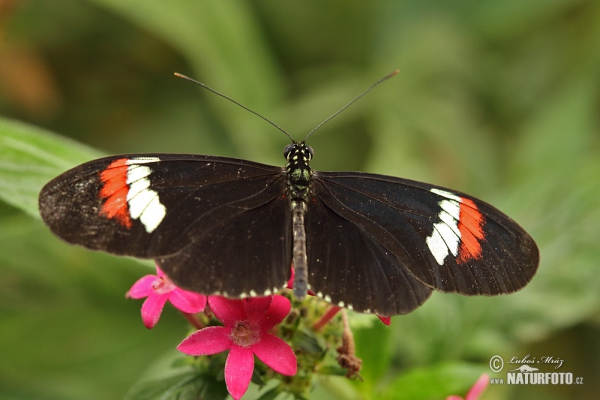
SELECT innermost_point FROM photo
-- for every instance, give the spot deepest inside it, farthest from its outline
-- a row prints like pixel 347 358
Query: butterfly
pixel 218 225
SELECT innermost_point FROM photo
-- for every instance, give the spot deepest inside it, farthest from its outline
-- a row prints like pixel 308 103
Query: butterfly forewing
pixel 153 205
pixel 448 240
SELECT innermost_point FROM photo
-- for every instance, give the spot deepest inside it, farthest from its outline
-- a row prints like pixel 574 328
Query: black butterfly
pixel 367 242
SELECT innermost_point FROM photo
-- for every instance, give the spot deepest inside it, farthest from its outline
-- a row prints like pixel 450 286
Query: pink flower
pixel 475 391
pixel 245 334
pixel 158 289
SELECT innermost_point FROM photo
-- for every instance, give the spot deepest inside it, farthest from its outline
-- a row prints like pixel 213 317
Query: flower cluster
pixel 252 327
pixel 246 331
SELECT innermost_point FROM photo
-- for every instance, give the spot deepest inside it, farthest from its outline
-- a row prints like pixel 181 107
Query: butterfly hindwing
pixel 350 268
pixel 448 241
pixel 248 254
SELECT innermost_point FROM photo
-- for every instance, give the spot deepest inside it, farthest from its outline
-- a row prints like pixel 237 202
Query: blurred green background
pixel 500 99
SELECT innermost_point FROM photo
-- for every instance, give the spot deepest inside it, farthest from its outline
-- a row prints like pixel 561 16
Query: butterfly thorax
pixel 298 169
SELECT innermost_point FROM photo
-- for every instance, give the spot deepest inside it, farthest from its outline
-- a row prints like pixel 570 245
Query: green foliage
pixel 185 386
pixel 30 157
pixel 496 98
pixel 434 382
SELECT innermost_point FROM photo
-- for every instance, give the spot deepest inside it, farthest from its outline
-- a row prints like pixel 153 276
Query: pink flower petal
pixel 256 308
pixel 478 388
pixel 475 391
pixel 207 341
pixel 159 272
pixel 188 302
pixel 277 354
pixel 227 310
pixel 238 371
pixel 142 288
pixel 152 308
pixel 279 309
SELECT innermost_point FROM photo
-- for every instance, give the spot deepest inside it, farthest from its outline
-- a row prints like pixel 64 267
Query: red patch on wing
pixel 470 226
pixel 114 190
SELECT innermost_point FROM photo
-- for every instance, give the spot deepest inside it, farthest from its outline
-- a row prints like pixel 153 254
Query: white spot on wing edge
pixel 144 203
pixel 153 214
pixel 451 207
pixel 445 194
pixel 141 160
pixel 136 188
pixel 437 247
pixel 442 242
pixel 137 172
pixel 445 238
pixel 139 203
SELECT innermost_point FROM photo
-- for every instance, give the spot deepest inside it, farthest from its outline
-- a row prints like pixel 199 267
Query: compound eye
pixel 310 151
pixel 287 150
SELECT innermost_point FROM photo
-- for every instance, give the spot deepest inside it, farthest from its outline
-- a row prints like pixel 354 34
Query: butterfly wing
pixel 167 207
pixel 444 239
pixel 249 254
pixel 350 268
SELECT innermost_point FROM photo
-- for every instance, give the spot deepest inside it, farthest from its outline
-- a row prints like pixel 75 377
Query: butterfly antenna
pixel 187 78
pixel 352 102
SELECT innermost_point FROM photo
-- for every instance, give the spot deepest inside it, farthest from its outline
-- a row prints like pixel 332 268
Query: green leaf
pixel 65 319
pixel 373 347
pixel 29 158
pixel 271 394
pixel 222 40
pixel 435 382
pixel 186 386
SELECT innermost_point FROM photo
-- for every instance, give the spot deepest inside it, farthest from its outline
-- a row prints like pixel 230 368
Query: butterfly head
pixel 298 152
